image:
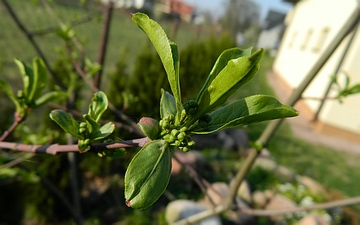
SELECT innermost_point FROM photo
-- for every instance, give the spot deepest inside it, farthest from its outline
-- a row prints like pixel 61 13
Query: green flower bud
pixel 150 127
pixel 82 130
pixel 183 129
pixel 175 132
pixel 191 144
pixel 177 143
pixel 83 125
pixel 185 149
pixel 181 136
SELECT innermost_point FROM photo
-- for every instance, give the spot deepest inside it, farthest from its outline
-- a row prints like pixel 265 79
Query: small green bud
pixel 175 132
pixel 83 125
pixel 183 129
pixel 87 141
pixel 150 127
pixel 190 107
pixel 181 136
pixel 82 130
pixel 185 149
pixel 177 143
pixel 191 143
pixel 172 138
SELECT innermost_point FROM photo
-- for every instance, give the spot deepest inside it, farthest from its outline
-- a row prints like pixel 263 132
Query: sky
pixel 217 6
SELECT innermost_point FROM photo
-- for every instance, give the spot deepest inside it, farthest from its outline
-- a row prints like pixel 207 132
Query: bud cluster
pixel 175 137
pixel 84 145
pixel 190 107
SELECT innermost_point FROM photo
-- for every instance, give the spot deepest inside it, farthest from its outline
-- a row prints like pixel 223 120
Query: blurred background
pixel 86 189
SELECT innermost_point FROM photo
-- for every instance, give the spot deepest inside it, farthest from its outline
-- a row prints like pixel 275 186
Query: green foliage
pixel 148 174
pixel 138 100
pixel 34 81
pixel 90 130
pixel 168 53
pixel 233 68
pixel 346 89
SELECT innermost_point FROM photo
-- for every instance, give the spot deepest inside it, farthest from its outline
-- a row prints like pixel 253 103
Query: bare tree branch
pixel 103 42
pixel 17 120
pixel 56 148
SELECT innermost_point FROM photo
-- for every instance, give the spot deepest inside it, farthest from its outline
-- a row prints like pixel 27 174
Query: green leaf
pixel 27 74
pixel 167 104
pixel 66 122
pixel 252 109
pixel 98 106
pixel 38 82
pixel 9 92
pixel 48 97
pixel 220 64
pixel 92 125
pixel 168 53
pixel 104 131
pixel 354 89
pixel 235 74
pixel 148 174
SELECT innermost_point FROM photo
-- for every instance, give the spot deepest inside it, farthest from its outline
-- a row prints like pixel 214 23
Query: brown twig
pixel 17 120
pixel 199 180
pixel 103 42
pixel 56 148
pixel 118 113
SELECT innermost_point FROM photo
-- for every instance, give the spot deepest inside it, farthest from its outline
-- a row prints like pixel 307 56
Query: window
pixel 319 43
pixel 292 39
pixel 307 38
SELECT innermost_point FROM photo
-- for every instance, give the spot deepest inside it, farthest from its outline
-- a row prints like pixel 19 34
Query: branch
pixel 76 113
pixel 33 43
pixel 121 115
pixel 319 99
pixel 56 148
pixel 17 120
pixel 103 42
pixel 199 180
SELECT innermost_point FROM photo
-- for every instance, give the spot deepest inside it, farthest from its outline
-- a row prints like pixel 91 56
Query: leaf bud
pixel 183 129
pixel 175 132
pixel 177 143
pixel 181 136
pixel 150 127
pixel 185 149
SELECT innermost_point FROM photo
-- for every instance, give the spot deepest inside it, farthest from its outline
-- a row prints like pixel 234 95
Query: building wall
pixel 311 26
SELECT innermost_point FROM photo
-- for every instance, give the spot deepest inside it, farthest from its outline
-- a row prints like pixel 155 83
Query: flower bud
pixel 150 127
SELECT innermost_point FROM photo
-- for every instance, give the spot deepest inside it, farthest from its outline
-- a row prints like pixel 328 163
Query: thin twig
pixel 76 113
pixel 104 42
pixel 56 148
pixel 199 180
pixel 17 120
pixel 16 161
pixel 51 30
pixel 118 113
pixel 33 43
